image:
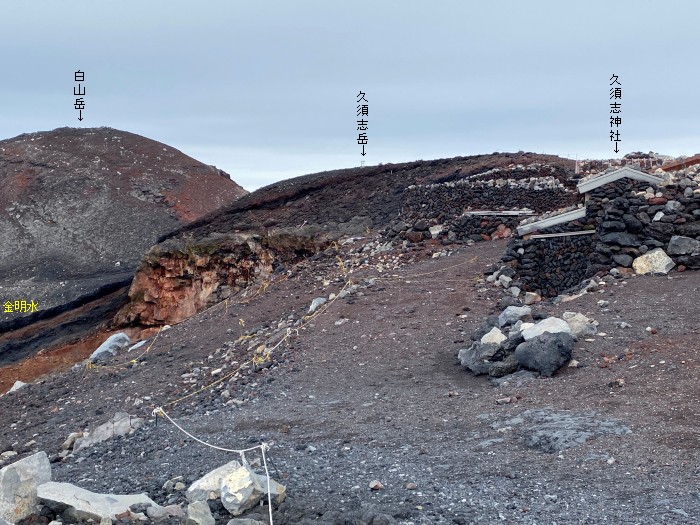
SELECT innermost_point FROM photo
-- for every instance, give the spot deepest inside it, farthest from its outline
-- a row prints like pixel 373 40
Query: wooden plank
pixel 507 213
pixel 564 234
pixel 571 215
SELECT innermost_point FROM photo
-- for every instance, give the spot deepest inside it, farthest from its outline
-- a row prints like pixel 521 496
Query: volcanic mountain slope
pixel 345 202
pixel 191 268
pixel 79 207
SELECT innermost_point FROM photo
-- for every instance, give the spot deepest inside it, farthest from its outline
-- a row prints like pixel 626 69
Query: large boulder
pixel 552 325
pixel 545 353
pixel 680 245
pixel 242 489
pixel 79 504
pixel 207 487
pixel 109 348
pixel 654 261
pixel 120 424
pixel 18 486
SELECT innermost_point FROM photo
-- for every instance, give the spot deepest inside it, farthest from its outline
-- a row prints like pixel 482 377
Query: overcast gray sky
pixel 267 89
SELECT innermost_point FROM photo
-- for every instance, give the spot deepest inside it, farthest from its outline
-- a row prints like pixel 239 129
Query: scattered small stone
pixel 376 485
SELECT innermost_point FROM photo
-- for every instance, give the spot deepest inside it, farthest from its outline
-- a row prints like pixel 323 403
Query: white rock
pixel 242 489
pixel 207 487
pixel 494 336
pixel 512 314
pixel 580 324
pixel 18 486
pixel 504 280
pixel 514 291
pixel 551 324
pixel 654 261
pixel 78 504
pixel 198 513
pixel 120 424
pixel 110 347
pixel 16 386
pixel 659 215
pixel 319 301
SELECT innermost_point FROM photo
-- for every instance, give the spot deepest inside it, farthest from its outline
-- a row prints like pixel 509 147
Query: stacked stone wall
pixel 536 188
pixel 629 218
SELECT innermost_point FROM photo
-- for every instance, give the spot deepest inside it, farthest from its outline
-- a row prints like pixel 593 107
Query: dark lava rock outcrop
pixel 78 209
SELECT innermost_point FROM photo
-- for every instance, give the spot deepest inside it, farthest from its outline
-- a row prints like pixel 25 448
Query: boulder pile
pixel 27 493
pixel 520 339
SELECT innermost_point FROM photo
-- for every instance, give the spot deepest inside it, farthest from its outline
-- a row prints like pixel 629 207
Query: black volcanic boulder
pixel 545 353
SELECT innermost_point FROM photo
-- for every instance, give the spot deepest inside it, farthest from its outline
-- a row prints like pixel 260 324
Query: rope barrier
pixel 307 319
pixel 262 446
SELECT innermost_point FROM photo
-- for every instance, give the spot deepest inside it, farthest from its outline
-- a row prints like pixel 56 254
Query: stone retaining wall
pixel 537 187
pixel 630 218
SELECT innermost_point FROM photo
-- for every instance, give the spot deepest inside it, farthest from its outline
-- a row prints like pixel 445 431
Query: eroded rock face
pixel 181 277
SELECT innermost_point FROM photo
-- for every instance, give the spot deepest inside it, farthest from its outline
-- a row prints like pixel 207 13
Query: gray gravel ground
pixel 380 397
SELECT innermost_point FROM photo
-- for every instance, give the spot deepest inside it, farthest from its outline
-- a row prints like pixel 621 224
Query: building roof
pixel 567 216
pixel 599 180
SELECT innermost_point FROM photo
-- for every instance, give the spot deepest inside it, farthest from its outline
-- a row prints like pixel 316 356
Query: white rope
pixel 263 447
